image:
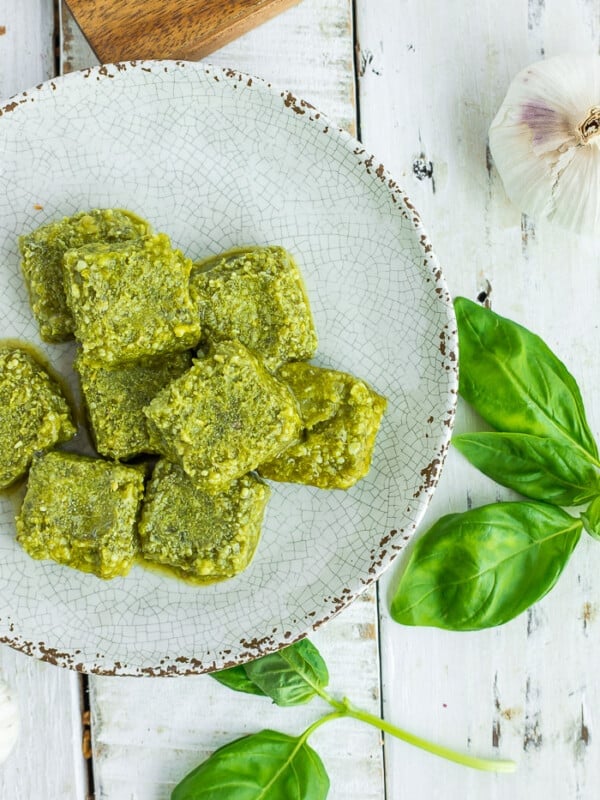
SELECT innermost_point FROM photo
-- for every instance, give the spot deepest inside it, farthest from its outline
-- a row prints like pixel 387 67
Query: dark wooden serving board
pixel 122 30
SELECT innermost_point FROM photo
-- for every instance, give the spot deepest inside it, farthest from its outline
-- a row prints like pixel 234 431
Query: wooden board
pixel 186 29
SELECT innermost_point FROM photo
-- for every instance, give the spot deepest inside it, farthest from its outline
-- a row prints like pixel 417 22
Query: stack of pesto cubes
pixel 196 385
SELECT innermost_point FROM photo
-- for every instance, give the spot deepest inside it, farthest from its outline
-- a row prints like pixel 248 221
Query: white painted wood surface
pixel 431 76
pixel 47 760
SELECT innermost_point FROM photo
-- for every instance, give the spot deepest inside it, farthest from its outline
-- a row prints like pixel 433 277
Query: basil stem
pixel 485 764
pixel 484 567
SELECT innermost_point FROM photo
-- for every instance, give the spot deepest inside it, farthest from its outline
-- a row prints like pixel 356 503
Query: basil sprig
pixel 484 567
pixel 269 765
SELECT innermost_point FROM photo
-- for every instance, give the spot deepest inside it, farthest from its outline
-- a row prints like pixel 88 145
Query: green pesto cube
pixel 341 416
pixel 115 399
pixel 81 512
pixel 42 254
pixel 223 417
pixel 198 534
pixel 258 297
pixel 34 414
pixel 130 300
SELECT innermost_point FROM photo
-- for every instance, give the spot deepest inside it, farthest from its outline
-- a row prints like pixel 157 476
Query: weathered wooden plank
pixel 431 81
pixel 145 736
pixel 26 44
pixel 47 760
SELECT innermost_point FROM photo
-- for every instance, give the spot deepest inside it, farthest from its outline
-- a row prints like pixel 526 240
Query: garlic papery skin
pixel 545 141
pixel 9 721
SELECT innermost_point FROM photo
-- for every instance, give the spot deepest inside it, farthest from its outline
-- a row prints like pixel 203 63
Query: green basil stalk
pixel 483 567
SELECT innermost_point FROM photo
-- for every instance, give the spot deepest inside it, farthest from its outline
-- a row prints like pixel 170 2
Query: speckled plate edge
pixel 391 543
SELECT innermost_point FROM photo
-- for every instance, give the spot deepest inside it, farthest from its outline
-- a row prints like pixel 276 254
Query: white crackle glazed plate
pixel 217 159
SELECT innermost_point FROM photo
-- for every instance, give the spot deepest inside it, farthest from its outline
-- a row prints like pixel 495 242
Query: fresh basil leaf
pixel 292 676
pixel 484 567
pixel 235 678
pixel 265 766
pixel 514 381
pixel 540 468
pixel 591 518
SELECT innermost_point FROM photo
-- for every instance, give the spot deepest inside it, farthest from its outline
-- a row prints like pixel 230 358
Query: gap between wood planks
pixel 356 66
pixel 86 738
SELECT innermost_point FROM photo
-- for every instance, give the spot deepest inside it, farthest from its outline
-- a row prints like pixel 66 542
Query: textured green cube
pixel 115 399
pixel 42 254
pixel 341 416
pixel 203 535
pixel 82 512
pixel 225 416
pixel 131 300
pixel 258 297
pixel 34 414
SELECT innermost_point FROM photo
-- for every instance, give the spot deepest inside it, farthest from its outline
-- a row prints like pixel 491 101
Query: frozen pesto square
pixel 34 414
pixel 200 534
pixel 82 512
pixel 341 416
pixel 131 300
pixel 42 254
pixel 115 398
pixel 258 297
pixel 223 417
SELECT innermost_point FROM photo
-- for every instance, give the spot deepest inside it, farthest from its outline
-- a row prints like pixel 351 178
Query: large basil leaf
pixel 235 678
pixel 541 468
pixel 291 676
pixel 514 381
pixel 265 766
pixel 484 567
pixel 591 518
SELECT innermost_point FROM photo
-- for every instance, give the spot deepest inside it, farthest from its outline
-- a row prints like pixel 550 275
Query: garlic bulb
pixel 9 721
pixel 545 141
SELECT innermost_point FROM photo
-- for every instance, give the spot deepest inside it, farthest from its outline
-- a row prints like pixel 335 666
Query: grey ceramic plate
pixel 218 159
